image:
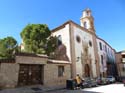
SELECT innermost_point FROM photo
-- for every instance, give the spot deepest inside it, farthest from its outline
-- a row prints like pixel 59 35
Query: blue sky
pixel 109 16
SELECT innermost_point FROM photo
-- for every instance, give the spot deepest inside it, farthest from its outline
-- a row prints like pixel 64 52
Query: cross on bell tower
pixel 87 21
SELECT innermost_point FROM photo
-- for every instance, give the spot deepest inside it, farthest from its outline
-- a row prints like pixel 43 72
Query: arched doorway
pixel 87 70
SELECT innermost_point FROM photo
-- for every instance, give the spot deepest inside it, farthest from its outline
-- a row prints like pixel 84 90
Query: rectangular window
pixel 108 50
pixel 123 56
pixel 60 71
pixel 105 48
pixel 100 44
pixel 123 69
pixel 123 60
pixel 102 59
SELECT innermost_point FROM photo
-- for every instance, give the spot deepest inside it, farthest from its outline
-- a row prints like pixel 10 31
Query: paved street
pixel 112 88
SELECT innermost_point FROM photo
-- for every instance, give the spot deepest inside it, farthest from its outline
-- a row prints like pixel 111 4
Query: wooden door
pixel 30 74
pixel 87 70
pixel 23 75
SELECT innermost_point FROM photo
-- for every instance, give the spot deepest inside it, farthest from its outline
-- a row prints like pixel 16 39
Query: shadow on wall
pixel 61 53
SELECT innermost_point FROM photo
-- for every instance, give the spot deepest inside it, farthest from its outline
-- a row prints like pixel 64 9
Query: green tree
pixel 51 46
pixel 35 38
pixel 8 46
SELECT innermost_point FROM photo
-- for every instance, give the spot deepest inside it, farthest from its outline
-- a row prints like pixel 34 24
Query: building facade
pixel 31 69
pixel 83 48
pixel 89 55
pixel 120 61
pixel 106 59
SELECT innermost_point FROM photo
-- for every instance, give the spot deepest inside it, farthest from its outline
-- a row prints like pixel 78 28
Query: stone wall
pixel 8 74
pixel 31 60
pixel 120 65
pixel 65 35
pixel 83 43
pixel 51 78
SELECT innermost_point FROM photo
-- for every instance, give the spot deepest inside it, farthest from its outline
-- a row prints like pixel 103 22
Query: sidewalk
pixel 38 89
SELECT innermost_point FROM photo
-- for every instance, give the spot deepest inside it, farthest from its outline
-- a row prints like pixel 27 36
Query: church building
pixel 89 55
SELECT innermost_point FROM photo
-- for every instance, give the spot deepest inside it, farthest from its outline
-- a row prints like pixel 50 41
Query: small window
pixel 105 48
pixel 60 71
pixel 78 39
pixel 108 50
pixel 85 25
pixel 102 59
pixel 123 56
pixel 90 43
pixel 123 68
pixel 59 40
pixel 100 44
pixel 60 37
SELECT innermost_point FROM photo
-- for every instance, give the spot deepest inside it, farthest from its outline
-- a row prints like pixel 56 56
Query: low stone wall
pixel 8 75
pixel 31 60
pixel 51 78
pixel 9 72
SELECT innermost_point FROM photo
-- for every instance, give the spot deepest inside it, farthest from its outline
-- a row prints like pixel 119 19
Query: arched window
pixel 102 59
pixel 78 39
pixel 90 43
pixel 85 25
pixel 59 40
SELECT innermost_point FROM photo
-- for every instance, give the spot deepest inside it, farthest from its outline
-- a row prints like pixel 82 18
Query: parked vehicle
pixel 99 81
pixel 85 84
pixel 111 79
pixel 102 81
pixel 92 83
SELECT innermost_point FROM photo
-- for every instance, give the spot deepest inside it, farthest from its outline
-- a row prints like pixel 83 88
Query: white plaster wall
pixel 110 52
pixel 103 67
pixel 79 49
pixel 64 32
pixel 87 23
pixel 85 14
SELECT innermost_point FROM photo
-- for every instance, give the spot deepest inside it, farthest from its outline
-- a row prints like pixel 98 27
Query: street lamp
pixel 77 59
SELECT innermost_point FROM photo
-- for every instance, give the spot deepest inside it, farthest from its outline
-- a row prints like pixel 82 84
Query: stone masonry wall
pixel 30 60
pixel 51 78
pixel 8 75
pixel 9 72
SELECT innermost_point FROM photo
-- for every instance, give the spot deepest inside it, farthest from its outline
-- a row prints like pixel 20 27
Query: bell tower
pixel 87 21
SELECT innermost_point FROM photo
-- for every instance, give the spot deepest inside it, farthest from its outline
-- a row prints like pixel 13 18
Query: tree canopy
pixel 8 46
pixel 51 46
pixel 35 38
